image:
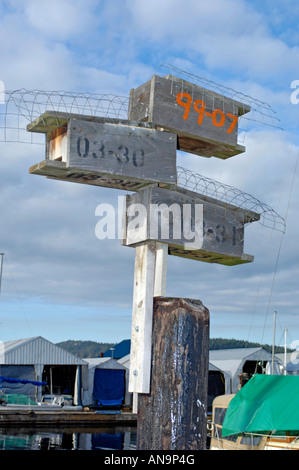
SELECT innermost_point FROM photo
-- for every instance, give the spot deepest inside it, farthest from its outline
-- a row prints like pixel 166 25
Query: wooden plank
pixel 206 122
pixel 149 282
pixel 59 171
pixel 62 417
pixel 210 257
pixel 51 120
pixel 125 151
pixel 142 315
pixel 57 144
pixel 173 416
pixel 160 269
pixel 221 229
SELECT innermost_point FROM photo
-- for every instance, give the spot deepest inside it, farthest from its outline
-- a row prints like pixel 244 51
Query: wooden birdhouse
pixel 105 152
pixel 205 122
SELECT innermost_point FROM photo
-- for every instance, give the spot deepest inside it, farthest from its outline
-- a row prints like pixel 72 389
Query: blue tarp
pixel 107 441
pixel 22 381
pixel 121 349
pixel 109 387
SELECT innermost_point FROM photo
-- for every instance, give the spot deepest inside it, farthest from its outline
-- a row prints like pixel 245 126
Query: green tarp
pixel 18 399
pixel 267 403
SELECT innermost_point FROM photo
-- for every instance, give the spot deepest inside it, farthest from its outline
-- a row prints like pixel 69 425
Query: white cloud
pixel 184 22
pixel 229 35
pixel 60 19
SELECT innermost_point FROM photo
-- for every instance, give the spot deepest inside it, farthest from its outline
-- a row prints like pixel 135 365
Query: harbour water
pixel 102 438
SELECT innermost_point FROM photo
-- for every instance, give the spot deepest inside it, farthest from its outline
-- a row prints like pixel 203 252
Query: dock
pixel 32 417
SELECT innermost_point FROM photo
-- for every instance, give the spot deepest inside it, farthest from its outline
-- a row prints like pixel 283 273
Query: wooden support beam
pixel 173 415
pixel 160 269
pixel 142 315
pixel 149 281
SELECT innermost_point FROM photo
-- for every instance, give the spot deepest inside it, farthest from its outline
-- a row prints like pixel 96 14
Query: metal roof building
pixel 37 359
pixel 292 362
pixel 247 361
pixel 36 350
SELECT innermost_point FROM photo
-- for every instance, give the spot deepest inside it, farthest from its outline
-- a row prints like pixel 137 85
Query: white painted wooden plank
pixel 135 403
pixel 142 318
pixel 160 269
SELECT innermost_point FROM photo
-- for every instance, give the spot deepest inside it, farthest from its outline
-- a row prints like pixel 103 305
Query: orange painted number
pixel 200 111
pixel 215 118
pixel 218 116
pixel 233 124
pixel 185 104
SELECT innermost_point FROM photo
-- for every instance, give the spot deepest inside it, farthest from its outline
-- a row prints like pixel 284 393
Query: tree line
pixel 88 349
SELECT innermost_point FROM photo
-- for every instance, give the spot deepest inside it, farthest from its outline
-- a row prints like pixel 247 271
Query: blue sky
pixel 59 280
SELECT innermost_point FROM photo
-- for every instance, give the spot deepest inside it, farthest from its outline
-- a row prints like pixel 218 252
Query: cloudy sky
pixel 60 281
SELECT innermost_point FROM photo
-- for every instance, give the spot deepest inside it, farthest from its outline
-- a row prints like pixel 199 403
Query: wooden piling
pixel 173 415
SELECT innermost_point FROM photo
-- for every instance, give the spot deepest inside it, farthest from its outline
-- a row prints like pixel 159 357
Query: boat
pixel 263 415
pixel 40 407
pixel 18 401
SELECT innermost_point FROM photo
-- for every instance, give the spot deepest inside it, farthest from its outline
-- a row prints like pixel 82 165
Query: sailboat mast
pixel 1 268
pixel 273 343
pixel 285 351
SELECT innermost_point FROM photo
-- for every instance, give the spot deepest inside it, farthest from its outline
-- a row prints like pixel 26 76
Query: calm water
pixel 108 438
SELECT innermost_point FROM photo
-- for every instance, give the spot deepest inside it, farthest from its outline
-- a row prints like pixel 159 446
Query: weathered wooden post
pixel 173 415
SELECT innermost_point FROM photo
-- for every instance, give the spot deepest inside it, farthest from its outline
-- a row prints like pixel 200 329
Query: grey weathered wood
pixel 58 170
pixel 51 120
pixel 222 225
pixel 110 154
pixel 173 415
pixel 156 102
pixel 134 152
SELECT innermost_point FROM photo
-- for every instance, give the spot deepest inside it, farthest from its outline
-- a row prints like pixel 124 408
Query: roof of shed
pixel 237 353
pixel 230 359
pixel 36 350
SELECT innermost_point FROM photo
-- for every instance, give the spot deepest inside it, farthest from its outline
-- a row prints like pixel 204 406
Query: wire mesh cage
pixel 21 107
pixel 251 110
pixel 230 196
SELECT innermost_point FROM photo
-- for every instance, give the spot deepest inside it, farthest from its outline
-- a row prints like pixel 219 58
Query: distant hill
pixel 85 348
pixel 224 343
pixel 93 349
